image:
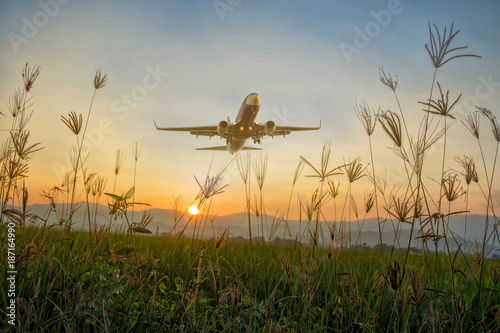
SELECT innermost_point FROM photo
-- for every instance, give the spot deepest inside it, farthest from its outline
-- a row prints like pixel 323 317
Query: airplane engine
pixel 269 127
pixel 222 127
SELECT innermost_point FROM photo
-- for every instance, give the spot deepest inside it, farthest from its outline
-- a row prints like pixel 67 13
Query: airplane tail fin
pixel 224 148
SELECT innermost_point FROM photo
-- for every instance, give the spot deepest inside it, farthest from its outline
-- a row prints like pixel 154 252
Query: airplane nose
pixel 253 99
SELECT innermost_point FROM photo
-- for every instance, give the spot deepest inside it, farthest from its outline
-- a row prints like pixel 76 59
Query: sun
pixel 193 210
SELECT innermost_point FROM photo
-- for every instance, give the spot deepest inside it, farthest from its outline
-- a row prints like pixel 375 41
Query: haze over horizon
pixel 189 64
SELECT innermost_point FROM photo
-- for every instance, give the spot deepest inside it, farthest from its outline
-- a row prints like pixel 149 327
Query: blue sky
pixel 193 62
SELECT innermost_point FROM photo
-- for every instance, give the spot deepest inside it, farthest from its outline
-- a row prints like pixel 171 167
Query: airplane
pixel 243 128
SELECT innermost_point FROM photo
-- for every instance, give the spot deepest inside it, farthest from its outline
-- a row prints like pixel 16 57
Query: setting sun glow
pixel 193 210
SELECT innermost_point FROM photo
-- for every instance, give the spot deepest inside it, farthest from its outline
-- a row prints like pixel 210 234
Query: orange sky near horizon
pixel 185 64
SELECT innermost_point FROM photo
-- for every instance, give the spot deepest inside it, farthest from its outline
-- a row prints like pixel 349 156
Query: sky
pixel 191 63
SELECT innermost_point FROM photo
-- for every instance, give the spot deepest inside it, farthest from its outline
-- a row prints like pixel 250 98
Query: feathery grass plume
pixel 439 47
pixel 389 80
pixel 15 169
pixel 198 274
pixel 119 160
pixel 416 286
pixel 353 170
pixel 493 120
pixel 332 230
pixel 400 209
pixel 212 186
pixel 20 143
pixel 394 275
pixel 100 79
pixel 441 106
pixel 222 238
pixel 22 120
pixel 16 102
pixel 244 170
pixel 98 185
pixel 317 200
pixel 286 265
pixel 451 187
pixel 392 126
pixel 29 76
pixel 333 189
pixel 260 169
pixel 369 200
pixel 472 123
pixel 74 122
pixel 137 150
pixel 470 172
pixel 367 117
pixel 323 172
pixel 99 233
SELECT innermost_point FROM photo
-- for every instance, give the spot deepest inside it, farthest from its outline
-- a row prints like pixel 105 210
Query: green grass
pixel 62 288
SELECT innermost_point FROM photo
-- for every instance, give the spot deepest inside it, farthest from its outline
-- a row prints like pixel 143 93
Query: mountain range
pixel 202 226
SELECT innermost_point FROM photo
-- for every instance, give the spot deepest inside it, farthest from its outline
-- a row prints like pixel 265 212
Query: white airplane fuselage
pixel 245 121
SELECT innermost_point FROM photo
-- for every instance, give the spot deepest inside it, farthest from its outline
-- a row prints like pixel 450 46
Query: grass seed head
pixel 472 123
pixel 441 106
pixel 74 122
pixel 222 238
pixel 389 80
pixel 392 126
pixel 100 79
pixel 493 120
pixel 451 187
pixel 29 76
pixel 469 166
pixel 367 117
pixel 439 46
pixel 394 275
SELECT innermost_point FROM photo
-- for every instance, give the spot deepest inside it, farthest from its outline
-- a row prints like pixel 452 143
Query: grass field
pixel 67 283
pixel 62 279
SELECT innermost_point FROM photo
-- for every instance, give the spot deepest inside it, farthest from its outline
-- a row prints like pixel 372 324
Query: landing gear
pixel 256 141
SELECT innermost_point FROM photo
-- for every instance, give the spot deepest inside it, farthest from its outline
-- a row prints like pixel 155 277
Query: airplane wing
pixel 224 148
pixel 282 130
pixel 194 130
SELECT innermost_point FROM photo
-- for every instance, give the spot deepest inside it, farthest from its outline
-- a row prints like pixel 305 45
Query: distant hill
pixel 207 226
